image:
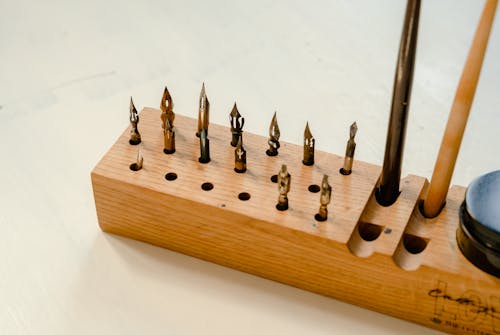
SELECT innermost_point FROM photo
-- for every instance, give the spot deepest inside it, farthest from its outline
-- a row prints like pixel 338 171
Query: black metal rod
pixel 388 187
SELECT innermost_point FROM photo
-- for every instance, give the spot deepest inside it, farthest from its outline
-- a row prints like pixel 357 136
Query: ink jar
pixel 478 234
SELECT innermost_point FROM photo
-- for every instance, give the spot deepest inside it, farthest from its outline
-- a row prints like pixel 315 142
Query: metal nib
pixel 349 151
pixel 324 200
pixel 135 137
pixel 236 126
pixel 309 142
pixel 274 136
pixel 284 181
pixel 139 160
pixel 203 111
pixel 167 108
pixel 169 138
pixel 204 147
pixel 240 156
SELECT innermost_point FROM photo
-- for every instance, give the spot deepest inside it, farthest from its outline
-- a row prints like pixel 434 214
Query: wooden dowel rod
pixel 457 120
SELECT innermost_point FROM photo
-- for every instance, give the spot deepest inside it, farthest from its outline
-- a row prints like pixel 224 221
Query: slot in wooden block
pixel 445 291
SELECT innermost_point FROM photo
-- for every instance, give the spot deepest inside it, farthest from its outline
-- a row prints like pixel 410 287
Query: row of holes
pixel 243 196
pixel 368 231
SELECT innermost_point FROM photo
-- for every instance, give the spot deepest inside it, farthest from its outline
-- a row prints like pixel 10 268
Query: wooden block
pixel 444 291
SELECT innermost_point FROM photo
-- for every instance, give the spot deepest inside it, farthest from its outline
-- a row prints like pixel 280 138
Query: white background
pixel 67 70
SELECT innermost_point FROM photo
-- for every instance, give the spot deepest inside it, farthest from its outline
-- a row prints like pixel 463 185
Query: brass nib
pixel 284 181
pixel 240 156
pixel 349 151
pixel 203 112
pixel 167 108
pixel 138 163
pixel 135 137
pixel 309 142
pixel 274 136
pixel 169 138
pixel 204 147
pixel 324 200
pixel 236 125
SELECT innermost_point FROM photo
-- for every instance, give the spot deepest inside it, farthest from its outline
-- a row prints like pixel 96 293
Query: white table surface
pixel 67 70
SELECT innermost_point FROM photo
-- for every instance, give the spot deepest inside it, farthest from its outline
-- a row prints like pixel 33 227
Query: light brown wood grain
pixel 290 246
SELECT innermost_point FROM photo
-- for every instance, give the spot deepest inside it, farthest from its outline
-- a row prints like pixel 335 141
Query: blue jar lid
pixel 482 205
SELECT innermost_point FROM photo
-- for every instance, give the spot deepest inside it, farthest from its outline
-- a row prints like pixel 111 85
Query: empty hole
pixel 244 196
pixel 171 176
pixel 369 231
pixel 314 188
pixel 274 178
pixel 414 244
pixel 134 167
pixel 207 186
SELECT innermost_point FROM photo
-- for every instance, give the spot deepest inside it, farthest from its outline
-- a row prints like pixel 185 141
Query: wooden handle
pixel 457 120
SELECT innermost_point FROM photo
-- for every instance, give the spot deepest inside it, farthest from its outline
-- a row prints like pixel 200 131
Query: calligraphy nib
pixel 135 137
pixel 309 143
pixel 169 138
pixel 284 181
pixel 240 156
pixel 274 136
pixel 203 111
pixel 236 125
pixel 204 147
pixel 167 108
pixel 138 163
pixel 349 151
pixel 325 198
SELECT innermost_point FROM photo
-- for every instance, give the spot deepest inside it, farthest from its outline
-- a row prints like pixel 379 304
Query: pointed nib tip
pixel 354 129
pixel 132 106
pixel 234 111
pixel 307 131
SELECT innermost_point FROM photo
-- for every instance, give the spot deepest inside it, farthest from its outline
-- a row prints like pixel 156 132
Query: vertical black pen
pixel 388 187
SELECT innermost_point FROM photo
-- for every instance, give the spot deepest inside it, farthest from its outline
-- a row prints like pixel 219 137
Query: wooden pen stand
pixel 387 259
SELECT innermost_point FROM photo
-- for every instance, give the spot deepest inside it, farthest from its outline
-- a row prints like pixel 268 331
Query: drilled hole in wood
pixel 207 186
pixel 274 178
pixel 314 188
pixel 319 218
pixel 171 176
pixel 244 196
pixel 135 167
pixel 369 231
pixel 414 244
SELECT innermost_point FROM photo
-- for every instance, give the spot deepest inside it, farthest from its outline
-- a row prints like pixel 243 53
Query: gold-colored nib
pixel 274 136
pixel 349 151
pixel 139 161
pixel 135 137
pixel 353 130
pixel 204 147
pixel 203 111
pixel 236 125
pixel 309 143
pixel 240 156
pixel 169 138
pixel 167 108
pixel 284 181
pixel 324 200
